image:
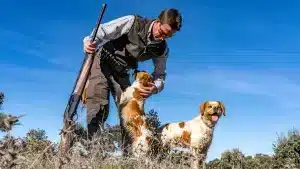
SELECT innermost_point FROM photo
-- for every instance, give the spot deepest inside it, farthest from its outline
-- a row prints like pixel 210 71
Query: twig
pixel 40 156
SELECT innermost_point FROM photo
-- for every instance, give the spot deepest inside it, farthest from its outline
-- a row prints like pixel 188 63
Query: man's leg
pixel 116 91
pixel 97 101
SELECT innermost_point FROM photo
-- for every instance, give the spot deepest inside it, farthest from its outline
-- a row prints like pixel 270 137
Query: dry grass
pixel 35 151
pixel 20 153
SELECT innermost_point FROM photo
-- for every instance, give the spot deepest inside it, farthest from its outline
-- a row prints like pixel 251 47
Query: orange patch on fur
pixel 146 125
pixel 132 109
pixel 222 108
pixel 148 139
pixel 136 131
pixel 202 107
pixel 181 124
pixel 138 121
pixel 132 117
pixel 137 95
pixel 144 77
pixel 186 137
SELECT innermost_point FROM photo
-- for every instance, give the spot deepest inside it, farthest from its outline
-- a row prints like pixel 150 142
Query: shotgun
pixel 67 133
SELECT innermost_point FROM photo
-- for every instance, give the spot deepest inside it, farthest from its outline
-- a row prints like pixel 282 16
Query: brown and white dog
pixel 195 134
pixel 133 115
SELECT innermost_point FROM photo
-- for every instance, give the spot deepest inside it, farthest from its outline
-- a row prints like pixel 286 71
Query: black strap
pixel 117 66
pixel 116 63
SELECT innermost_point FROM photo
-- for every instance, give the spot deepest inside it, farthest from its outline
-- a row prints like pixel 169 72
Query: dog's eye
pixel 209 106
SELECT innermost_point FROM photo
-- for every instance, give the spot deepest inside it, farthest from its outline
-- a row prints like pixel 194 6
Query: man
pixel 126 41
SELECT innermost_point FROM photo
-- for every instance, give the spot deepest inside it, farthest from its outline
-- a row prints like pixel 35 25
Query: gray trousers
pixel 102 82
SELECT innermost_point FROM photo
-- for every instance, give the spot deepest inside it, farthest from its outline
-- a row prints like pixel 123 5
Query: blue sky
pixel 244 54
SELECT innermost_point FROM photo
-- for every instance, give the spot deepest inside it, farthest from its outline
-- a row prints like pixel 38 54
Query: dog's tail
pixel 160 129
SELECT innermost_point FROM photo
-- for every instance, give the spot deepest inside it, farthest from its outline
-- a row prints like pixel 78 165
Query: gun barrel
pixel 98 22
pixel 82 74
pixel 75 97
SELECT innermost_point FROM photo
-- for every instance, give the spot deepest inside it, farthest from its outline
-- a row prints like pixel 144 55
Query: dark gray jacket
pixel 129 38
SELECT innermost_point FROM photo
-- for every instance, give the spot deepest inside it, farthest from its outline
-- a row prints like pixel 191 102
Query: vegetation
pixel 1 99
pixel 36 151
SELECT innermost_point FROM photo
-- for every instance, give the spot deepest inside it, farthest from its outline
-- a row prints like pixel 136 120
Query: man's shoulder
pixel 126 17
pixel 121 20
pixel 140 17
pixel 132 16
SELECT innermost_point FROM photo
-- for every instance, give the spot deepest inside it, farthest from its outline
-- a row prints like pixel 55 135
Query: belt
pixel 115 62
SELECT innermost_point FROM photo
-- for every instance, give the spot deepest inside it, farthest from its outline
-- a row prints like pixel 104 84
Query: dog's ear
pixel 202 108
pixel 135 73
pixel 222 108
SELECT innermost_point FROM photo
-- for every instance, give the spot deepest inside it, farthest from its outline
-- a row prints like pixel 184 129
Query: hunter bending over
pixel 120 44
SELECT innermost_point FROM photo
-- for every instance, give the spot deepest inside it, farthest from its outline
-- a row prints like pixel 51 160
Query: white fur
pixel 140 146
pixel 127 95
pixel 195 126
pixel 200 139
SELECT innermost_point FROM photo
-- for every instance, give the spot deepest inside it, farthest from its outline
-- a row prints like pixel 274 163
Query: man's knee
pixel 96 111
pixel 97 98
pixel 97 89
pixel 96 117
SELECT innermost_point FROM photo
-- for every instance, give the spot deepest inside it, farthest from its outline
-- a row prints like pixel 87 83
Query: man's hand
pixel 146 92
pixel 88 46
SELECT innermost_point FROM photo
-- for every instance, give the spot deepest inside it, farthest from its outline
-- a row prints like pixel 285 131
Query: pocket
pixel 93 88
pixel 98 90
pixel 97 62
pixel 90 89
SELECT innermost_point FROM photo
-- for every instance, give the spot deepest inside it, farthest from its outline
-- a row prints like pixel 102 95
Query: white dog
pixel 195 134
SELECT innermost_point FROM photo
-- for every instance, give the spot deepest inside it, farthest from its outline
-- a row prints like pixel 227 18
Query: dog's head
pixel 142 77
pixel 212 110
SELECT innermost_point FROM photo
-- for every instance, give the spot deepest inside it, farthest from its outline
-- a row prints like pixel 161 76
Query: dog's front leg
pixel 195 160
pixel 140 135
pixel 198 158
pixel 126 96
pixel 164 147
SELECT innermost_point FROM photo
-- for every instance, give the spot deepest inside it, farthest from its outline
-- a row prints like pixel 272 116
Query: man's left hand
pixel 146 92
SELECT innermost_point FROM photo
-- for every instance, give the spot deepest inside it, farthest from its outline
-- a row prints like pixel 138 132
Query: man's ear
pixel 135 73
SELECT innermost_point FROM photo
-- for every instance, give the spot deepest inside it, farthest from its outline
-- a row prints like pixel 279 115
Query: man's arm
pixel 113 29
pixel 159 73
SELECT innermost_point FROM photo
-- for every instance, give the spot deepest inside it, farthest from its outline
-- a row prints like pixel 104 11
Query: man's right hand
pixel 88 46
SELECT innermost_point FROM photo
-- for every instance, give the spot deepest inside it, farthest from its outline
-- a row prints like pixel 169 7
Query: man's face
pixel 162 31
